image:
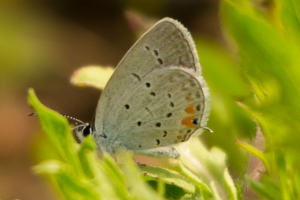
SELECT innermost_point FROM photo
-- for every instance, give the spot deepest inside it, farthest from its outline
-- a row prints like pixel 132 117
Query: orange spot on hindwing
pixel 190 109
pixel 188 122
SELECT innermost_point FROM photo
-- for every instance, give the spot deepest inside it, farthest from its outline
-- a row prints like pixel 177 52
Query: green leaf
pixel 168 176
pixel 215 191
pixel 203 188
pixel 208 166
pixel 86 148
pixel 57 129
pixel 232 191
pixel 255 152
pixel 66 181
pixel 116 177
pixel 139 189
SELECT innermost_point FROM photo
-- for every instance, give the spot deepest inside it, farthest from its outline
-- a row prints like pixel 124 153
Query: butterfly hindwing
pixel 165 108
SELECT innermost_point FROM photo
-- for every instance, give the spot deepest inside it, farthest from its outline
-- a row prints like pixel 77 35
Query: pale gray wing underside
pixel 167 44
pixel 165 108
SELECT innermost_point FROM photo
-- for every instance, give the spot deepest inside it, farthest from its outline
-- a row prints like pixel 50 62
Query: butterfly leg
pixel 162 152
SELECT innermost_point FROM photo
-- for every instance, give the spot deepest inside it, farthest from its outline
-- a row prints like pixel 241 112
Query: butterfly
pixel 155 98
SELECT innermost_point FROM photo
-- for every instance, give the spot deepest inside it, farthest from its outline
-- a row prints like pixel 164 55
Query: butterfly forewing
pixel 167 44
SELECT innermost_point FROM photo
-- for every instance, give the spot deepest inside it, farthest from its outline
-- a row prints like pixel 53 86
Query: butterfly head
pixel 82 131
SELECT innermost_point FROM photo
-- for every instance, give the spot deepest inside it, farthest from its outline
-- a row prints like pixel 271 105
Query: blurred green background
pixel 43 42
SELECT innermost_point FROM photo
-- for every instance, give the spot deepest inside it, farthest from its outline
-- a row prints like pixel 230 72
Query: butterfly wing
pixel 166 108
pixel 167 44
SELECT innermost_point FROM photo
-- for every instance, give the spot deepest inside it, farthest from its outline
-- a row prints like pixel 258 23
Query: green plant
pixel 267 42
pixel 80 174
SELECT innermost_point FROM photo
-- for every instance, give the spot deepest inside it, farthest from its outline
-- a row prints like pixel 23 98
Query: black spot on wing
pixel 158 141
pixel 195 121
pixel 160 61
pixel 165 133
pixel 169 114
pixel 198 107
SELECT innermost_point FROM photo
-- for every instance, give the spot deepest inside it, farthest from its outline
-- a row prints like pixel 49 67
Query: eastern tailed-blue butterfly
pixel 156 97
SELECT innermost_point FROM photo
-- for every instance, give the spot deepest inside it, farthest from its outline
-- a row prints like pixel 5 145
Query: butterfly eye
pixel 87 130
